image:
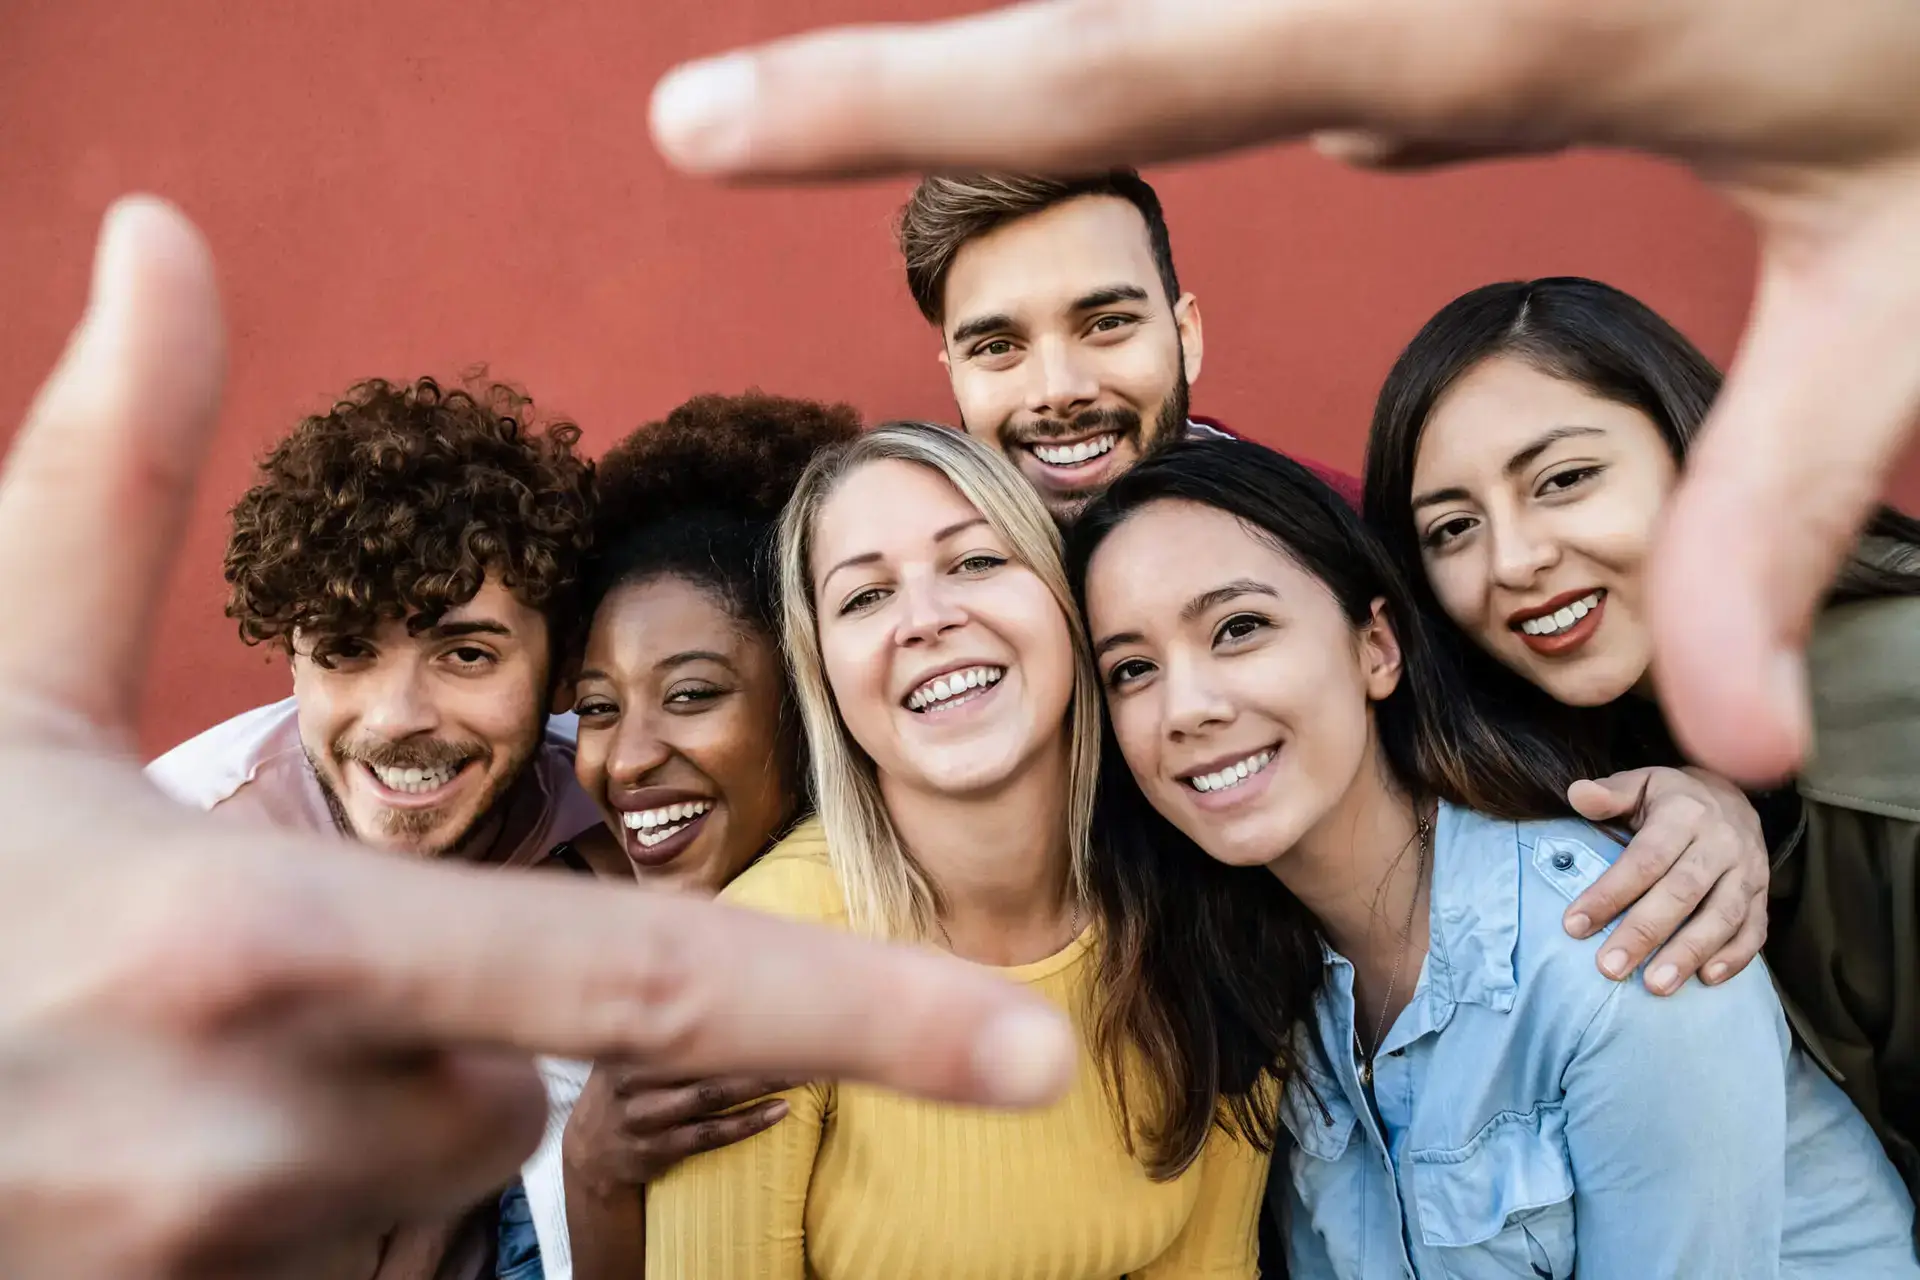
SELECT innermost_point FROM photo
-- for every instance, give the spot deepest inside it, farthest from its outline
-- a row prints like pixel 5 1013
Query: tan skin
pixel 1806 116
pixel 1054 317
pixel 1529 489
pixel 460 695
pixel 911 581
pixel 1214 647
pixel 680 701
pixel 200 1017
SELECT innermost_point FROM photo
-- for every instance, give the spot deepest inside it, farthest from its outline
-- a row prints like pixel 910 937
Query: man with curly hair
pixel 414 550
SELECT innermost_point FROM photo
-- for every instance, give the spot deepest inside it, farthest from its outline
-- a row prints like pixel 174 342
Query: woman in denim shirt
pixel 1468 1095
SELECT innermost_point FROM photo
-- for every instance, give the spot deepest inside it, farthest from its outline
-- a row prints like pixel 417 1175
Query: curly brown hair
pixel 398 502
pixel 697 495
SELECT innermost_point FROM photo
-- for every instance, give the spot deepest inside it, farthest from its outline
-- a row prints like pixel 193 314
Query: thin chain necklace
pixel 1424 833
pixel 1073 926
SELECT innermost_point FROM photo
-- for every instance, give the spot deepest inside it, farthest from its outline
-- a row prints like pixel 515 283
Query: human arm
pixel 199 1017
pixel 1806 116
pixel 1692 881
pixel 1648 1078
pixel 627 1132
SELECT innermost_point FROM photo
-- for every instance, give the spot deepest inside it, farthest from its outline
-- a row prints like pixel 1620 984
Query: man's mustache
pixel 425 753
pixel 1092 422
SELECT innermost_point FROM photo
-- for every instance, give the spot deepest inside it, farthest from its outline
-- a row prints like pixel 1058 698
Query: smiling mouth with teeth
pixel 954 688
pixel 1563 618
pixel 1233 775
pixel 1072 455
pixel 654 826
pixel 415 781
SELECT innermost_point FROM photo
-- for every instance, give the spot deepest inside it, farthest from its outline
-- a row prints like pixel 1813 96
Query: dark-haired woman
pixel 1522 450
pixel 689 743
pixel 1470 1096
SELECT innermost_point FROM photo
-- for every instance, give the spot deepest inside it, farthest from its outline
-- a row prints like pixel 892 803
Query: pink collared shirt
pixel 253 765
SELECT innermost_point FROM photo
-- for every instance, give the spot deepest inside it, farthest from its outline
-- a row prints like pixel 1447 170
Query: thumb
pixel 1606 799
pixel 1786 472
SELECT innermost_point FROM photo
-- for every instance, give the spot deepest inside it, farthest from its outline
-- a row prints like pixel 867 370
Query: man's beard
pixel 413 824
pixel 1169 428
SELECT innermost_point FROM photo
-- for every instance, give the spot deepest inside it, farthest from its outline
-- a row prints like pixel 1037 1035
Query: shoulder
pixel 1501 892
pixel 210 767
pixel 795 878
pixel 1863 663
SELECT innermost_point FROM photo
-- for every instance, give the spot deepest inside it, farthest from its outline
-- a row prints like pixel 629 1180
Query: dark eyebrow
pixel 457 629
pixel 692 655
pixel 871 557
pixel 665 664
pixel 1109 295
pixel 1194 608
pixel 980 326
pixel 1221 594
pixel 1522 458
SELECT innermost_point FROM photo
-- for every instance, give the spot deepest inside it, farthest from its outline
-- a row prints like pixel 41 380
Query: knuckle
pixel 655 1008
pixel 1686 883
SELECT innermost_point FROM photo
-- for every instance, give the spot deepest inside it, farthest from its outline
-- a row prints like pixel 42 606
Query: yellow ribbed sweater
pixel 859 1183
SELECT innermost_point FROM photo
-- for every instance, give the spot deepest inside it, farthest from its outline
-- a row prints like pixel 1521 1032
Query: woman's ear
pixel 1380 653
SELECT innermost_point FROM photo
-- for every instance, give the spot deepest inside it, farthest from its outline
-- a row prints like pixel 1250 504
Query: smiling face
pixel 682 742
pixel 1535 502
pixel 950 661
pixel 1240 693
pixel 1063 348
pixel 417 732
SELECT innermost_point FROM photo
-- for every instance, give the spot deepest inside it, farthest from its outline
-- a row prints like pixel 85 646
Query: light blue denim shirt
pixel 1531 1117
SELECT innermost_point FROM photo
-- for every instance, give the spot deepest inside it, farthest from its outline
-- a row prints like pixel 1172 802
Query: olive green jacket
pixel 1844 923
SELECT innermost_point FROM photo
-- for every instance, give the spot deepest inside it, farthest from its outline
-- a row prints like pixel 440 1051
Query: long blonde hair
pixel 887 892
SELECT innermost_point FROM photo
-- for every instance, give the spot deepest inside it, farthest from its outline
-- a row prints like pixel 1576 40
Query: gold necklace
pixel 1424 833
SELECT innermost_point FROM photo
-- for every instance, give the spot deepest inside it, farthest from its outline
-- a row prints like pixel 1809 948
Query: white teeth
pixel 651 826
pixel 1560 619
pixel 1066 455
pixel 953 685
pixel 414 781
pixel 1233 775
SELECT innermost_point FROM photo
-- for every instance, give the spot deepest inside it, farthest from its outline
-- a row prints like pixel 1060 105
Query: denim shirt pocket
pixel 1317 1113
pixel 1502 1205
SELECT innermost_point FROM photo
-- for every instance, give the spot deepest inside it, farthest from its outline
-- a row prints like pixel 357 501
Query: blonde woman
pixel 952 716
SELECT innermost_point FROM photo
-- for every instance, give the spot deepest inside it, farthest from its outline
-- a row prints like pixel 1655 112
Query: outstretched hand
pixel 1807 116
pixel 231 1050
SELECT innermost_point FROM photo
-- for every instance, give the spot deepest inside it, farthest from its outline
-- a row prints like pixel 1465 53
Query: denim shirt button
pixel 1563 861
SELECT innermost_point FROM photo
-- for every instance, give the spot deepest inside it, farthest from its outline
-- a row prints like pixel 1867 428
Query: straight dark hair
pixel 1212 966
pixel 1615 346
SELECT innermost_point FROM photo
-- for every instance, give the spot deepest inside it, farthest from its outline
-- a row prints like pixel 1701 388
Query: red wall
pixel 416 186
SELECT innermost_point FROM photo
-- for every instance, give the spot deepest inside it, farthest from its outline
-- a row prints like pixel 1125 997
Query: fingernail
pixel 702 112
pixel 1578 925
pixel 777 1111
pixel 1614 964
pixel 1023 1057
pixel 1664 978
pixel 1716 971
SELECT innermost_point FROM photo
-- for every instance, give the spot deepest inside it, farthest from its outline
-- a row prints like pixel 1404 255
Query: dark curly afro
pixel 398 502
pixel 698 495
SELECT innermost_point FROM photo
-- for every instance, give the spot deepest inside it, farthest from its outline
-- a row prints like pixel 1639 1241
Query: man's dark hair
pixel 398 502
pixel 944 213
